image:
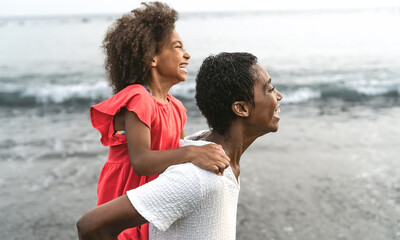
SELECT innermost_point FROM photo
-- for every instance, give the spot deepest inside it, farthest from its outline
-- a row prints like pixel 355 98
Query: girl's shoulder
pixel 133 90
pixel 131 95
pixel 176 102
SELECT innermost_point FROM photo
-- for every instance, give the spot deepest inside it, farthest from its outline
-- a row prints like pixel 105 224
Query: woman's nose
pixel 278 95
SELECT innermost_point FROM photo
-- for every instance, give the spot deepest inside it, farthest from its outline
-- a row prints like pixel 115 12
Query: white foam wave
pixel 184 90
pixel 59 93
pixel 187 90
pixel 300 95
pixel 373 90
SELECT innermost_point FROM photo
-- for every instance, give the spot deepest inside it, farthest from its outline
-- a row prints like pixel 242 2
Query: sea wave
pixel 91 93
pixel 300 95
pixel 54 94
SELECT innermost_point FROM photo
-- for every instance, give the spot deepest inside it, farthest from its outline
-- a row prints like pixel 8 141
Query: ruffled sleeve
pixel 135 98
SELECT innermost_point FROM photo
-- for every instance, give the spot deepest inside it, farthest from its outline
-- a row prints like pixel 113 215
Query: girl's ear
pixel 241 109
pixel 154 62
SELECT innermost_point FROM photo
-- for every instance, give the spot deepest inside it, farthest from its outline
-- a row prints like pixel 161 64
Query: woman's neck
pixel 234 142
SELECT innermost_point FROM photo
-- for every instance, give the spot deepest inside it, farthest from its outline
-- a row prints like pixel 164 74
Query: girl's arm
pixel 147 162
pixel 183 135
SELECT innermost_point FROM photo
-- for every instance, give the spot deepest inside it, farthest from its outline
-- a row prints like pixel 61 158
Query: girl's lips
pixel 183 66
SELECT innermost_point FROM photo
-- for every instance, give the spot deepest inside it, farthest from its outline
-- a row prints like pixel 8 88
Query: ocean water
pixel 336 70
pixel 311 55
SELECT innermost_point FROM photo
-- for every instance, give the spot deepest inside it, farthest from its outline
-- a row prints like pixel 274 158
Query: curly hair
pixel 133 40
pixel 222 80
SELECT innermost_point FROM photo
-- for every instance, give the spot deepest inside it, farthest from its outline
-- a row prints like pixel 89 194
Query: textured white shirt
pixel 186 202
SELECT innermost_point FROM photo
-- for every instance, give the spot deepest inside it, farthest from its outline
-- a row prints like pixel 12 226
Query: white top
pixel 186 202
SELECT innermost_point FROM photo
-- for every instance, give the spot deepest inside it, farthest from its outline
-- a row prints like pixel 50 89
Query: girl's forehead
pixel 175 37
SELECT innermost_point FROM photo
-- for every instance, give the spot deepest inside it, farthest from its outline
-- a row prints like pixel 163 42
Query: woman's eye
pixel 272 89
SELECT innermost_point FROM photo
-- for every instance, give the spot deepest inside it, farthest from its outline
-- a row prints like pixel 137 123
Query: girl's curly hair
pixel 133 40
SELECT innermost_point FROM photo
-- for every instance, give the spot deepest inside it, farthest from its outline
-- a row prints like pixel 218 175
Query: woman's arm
pixel 147 162
pixel 107 221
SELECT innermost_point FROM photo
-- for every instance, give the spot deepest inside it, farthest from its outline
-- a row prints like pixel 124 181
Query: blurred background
pixel 332 171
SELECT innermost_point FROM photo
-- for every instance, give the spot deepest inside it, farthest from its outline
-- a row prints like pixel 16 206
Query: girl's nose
pixel 186 55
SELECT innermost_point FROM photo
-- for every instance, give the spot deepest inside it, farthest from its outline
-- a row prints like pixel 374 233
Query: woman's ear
pixel 240 108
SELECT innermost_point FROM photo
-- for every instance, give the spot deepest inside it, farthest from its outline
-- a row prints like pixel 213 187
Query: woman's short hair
pixel 222 80
pixel 133 40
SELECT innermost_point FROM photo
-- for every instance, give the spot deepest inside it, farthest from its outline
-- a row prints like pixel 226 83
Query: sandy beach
pixel 323 177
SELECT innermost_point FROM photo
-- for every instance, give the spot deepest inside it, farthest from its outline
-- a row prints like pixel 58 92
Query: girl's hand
pixel 209 157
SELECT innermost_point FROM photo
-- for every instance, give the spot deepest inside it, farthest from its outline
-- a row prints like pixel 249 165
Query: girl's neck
pixel 159 90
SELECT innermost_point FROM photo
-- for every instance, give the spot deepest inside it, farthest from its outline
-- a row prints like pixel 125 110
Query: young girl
pixel 142 123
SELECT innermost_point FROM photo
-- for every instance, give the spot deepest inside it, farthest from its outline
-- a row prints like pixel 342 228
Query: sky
pixel 78 7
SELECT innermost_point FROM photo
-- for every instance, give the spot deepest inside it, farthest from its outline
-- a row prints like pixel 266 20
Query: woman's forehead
pixel 262 75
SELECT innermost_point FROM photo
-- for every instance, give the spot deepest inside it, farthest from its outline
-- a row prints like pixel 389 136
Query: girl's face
pixel 170 64
pixel 264 115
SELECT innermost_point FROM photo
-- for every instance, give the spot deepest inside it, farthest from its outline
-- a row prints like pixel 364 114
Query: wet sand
pixel 325 177
pixel 319 177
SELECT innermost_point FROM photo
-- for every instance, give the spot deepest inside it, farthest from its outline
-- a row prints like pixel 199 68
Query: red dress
pixel 165 121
